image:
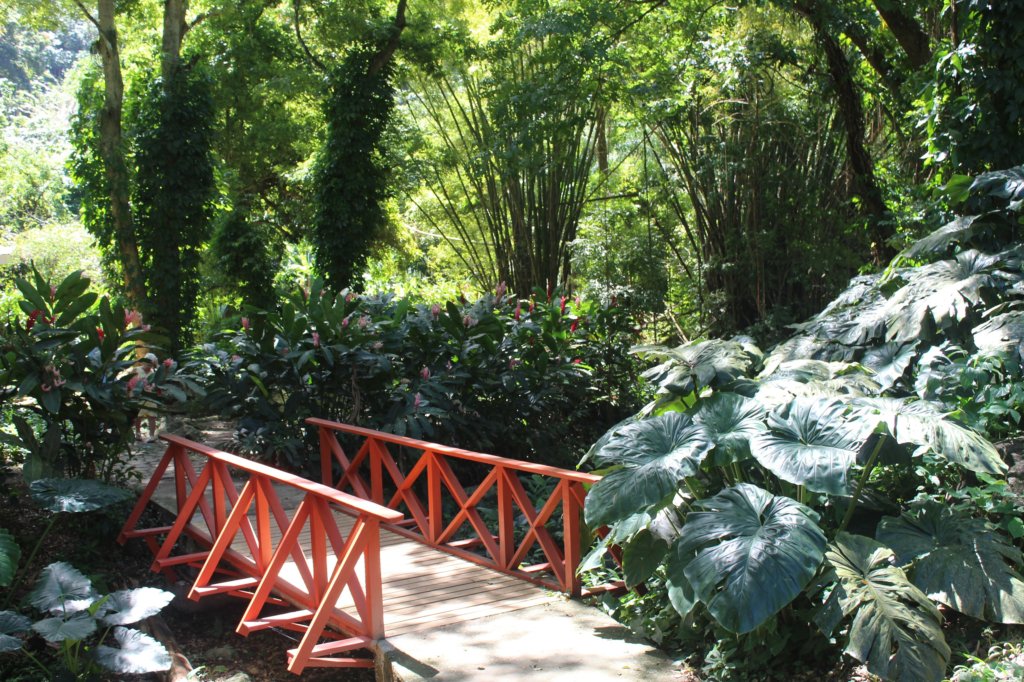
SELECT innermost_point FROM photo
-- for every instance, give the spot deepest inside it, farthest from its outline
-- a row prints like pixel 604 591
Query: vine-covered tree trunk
pixel 112 153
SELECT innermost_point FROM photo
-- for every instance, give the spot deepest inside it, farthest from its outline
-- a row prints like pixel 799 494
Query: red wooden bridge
pixel 390 542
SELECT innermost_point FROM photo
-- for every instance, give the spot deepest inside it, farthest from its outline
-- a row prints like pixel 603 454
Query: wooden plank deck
pixel 423 588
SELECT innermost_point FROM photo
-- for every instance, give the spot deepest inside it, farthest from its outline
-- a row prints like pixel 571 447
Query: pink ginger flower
pixel 316 340
pixel 363 321
pixel 561 304
pixel 577 361
pixel 246 325
pixel 417 401
pixel 349 297
pixel 533 304
pixel 574 326
pixel 425 373
pixel 518 313
pixel 132 383
pixel 100 333
pixel 435 311
pixel 132 318
pixel 499 291
pixel 344 323
pixel 53 292
pixel 169 362
pixel 469 321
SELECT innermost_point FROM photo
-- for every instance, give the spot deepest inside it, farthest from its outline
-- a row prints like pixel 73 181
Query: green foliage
pixel 807 431
pixel 66 367
pixel 351 177
pixel 73 612
pixel 493 375
pixel 173 196
pixel 10 554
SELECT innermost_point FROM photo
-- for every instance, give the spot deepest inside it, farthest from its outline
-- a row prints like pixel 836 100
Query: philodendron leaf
pixel 75 495
pixel 62 589
pixel 10 554
pixel 130 606
pixel 919 422
pixel 811 442
pixel 747 554
pixel 57 629
pixel 655 455
pixel 959 561
pixel 896 630
pixel 12 623
pixel 889 362
pixel 641 557
pixel 730 421
pixel 1002 335
pixel 136 653
pixel 692 366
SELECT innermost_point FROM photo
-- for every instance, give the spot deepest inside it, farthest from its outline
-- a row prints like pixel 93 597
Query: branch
pixel 198 20
pixel 381 59
pixel 94 21
pixel 298 34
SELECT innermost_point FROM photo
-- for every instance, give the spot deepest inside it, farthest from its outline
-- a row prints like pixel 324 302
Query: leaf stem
pixel 869 466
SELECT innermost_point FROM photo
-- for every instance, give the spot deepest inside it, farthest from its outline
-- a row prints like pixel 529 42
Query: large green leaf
pixel 889 362
pixel 12 623
pixel 656 455
pixel 10 554
pixel 641 557
pixel 136 653
pixel 752 554
pixel 811 442
pixel 1002 334
pixel 896 630
pixel 130 606
pixel 959 231
pixel 920 423
pixel 959 561
pixel 692 366
pixel 730 421
pixel 58 629
pixel 943 291
pixel 75 495
pixel 63 589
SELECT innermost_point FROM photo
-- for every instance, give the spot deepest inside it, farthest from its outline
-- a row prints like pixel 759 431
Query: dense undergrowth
pixel 839 493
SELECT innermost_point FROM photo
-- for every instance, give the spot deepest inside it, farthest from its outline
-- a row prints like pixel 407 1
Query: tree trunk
pixel 112 152
pixel 851 111
pixel 907 31
pixel 174 31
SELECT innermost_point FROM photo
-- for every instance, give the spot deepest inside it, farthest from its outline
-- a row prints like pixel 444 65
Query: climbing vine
pixel 174 193
pixel 351 177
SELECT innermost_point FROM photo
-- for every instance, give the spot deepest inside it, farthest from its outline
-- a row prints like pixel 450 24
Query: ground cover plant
pixel 833 484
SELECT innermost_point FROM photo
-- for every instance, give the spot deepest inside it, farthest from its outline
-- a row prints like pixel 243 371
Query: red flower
pixel 577 361
pixel 132 318
pixel 518 312
pixel 99 333
pixel 316 340
pixel 245 323
pixel 574 326
pixel 425 373
pixel 32 317
pixel 561 305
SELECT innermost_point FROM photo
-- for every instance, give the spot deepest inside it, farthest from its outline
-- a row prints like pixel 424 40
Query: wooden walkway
pixel 430 600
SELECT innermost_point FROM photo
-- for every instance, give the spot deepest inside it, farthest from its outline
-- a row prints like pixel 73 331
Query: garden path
pixel 449 619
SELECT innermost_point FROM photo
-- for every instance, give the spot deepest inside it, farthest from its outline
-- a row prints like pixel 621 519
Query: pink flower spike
pixel 316 340
pixel 577 361
pixel 168 363
pixel 574 326
pixel 344 322
pixel 499 291
pixel 425 373
pixel 132 318
pixel 561 304
pixel 518 313
pixel 245 324
pixel 363 321
pixel 99 333
pixel 435 311
pixel 53 292
pixel 417 401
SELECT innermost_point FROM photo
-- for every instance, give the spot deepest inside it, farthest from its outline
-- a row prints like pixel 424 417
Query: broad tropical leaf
pixel 656 455
pixel 137 653
pixel 920 423
pixel 811 442
pixel 943 292
pixel 603 440
pixel 730 421
pixel 641 557
pixel 959 231
pixel 959 561
pixel 75 495
pixel 57 629
pixel 62 589
pixel 1002 335
pixel 10 554
pixel 12 623
pixel 889 362
pixel 896 630
pixel 692 366
pixel 130 606
pixel 750 554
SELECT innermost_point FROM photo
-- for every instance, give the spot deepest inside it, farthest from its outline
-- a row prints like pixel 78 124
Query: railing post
pixel 506 520
pixel 571 524
pixel 326 457
pixel 434 506
pixel 374 585
pixel 376 475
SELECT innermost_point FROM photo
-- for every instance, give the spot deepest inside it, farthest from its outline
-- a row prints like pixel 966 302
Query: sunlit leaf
pixel 136 653
pixel 130 606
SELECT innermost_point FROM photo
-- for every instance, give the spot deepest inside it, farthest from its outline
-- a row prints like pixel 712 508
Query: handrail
pixel 522 523
pixel 213 513
pixel 459 453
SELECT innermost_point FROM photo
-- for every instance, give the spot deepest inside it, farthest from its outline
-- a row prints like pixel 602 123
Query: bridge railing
pixel 246 535
pixel 513 531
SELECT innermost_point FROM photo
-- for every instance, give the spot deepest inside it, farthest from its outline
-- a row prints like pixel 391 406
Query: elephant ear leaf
pixel 136 653
pixel 959 561
pixel 896 630
pixel 692 366
pixel 655 455
pixel 811 442
pixel 731 421
pixel 889 362
pixel 10 554
pixel 747 554
pixel 919 422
